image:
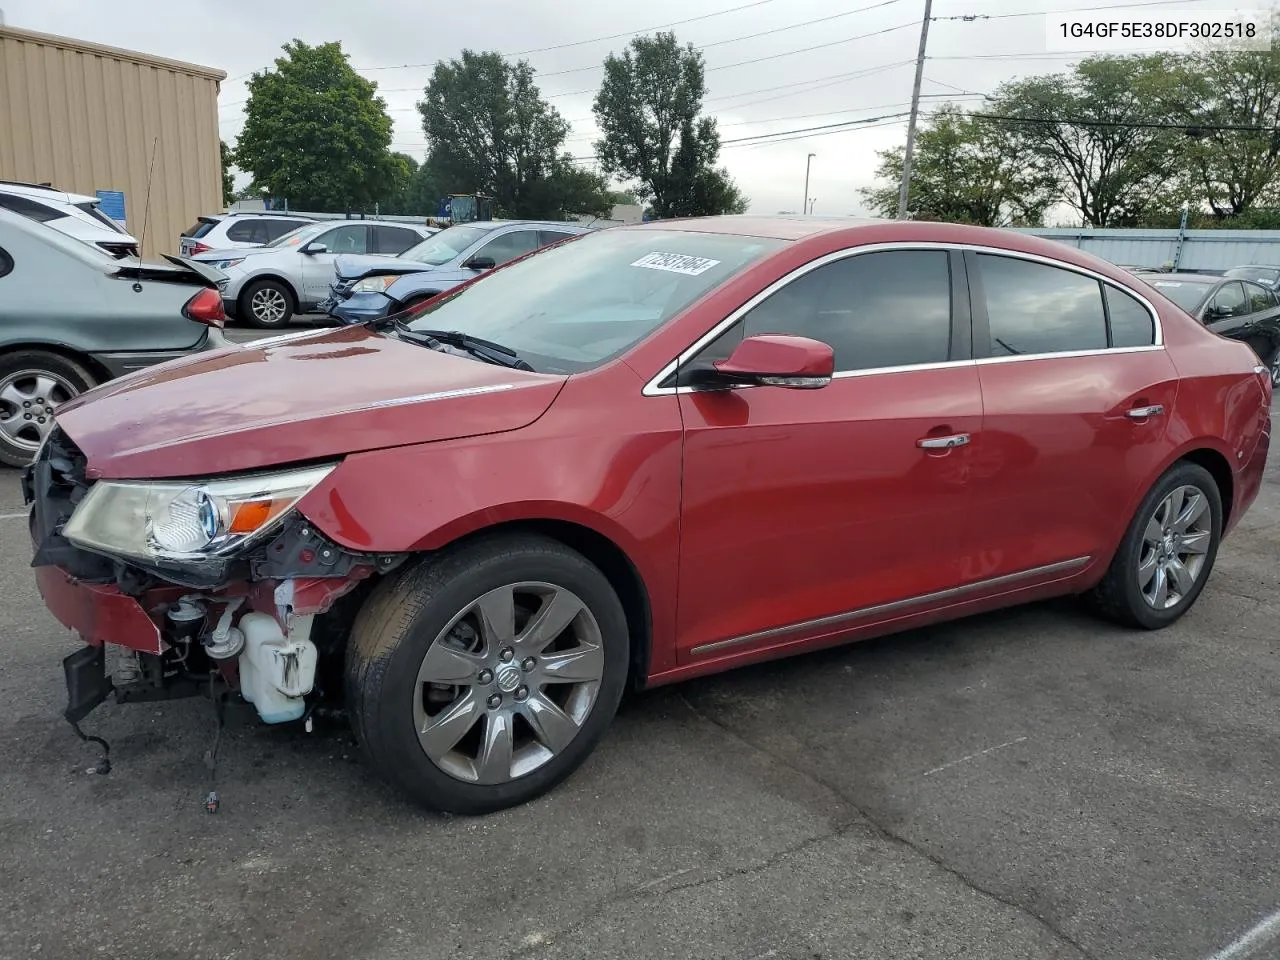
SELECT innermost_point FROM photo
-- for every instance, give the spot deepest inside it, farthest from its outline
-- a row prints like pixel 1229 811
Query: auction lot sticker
pixel 676 263
pixel 1174 29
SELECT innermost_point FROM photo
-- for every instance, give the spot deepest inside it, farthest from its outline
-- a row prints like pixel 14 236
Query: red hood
pixel 283 401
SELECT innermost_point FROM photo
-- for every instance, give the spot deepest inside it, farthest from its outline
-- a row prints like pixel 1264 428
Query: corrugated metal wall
pixel 1211 251
pixel 86 117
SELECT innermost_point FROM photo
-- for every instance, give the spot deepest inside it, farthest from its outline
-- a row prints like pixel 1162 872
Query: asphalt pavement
pixel 1029 784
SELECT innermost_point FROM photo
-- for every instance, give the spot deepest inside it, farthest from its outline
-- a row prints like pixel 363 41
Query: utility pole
pixel 905 189
pixel 804 207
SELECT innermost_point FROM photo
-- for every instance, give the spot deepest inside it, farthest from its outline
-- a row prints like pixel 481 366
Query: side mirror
pixel 775 360
pixel 480 263
pixel 314 247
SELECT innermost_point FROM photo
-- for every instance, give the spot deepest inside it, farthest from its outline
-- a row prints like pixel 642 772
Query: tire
pixel 267 304
pixel 32 383
pixel 429 608
pixel 1128 596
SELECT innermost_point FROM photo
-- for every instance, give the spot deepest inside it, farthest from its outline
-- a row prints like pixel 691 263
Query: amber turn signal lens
pixel 250 516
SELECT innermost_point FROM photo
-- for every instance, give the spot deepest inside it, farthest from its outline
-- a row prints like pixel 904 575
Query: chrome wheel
pixel 509 683
pixel 27 402
pixel 1175 543
pixel 269 305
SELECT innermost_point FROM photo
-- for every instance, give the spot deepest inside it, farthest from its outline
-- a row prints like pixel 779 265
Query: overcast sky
pixel 395 42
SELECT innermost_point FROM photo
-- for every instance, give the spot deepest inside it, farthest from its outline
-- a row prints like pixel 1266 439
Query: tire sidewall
pixel 244 307
pixel 394 724
pixel 1182 474
pixel 10 453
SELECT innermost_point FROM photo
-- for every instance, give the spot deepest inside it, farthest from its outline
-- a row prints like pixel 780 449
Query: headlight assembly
pixel 176 520
pixel 375 284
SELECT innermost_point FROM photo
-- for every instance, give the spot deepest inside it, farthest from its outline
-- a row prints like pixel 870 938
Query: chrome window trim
pixel 651 388
pixel 861 613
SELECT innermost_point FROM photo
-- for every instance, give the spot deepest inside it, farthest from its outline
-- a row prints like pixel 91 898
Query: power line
pixel 1137 125
pixel 1073 10
pixel 819 46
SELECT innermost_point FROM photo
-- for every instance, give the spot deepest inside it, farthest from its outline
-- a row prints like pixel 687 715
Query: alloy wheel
pixel 509 683
pixel 1174 547
pixel 27 402
pixel 1275 370
pixel 268 305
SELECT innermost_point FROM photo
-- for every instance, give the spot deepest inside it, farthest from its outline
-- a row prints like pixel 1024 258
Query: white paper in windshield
pixel 676 263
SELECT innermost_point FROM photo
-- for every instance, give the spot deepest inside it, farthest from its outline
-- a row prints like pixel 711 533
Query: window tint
pixel 30 208
pixel 201 228
pixel 1228 302
pixel 394 239
pixel 1131 324
pixel 509 246
pixel 248 231
pixel 1034 308
pixel 548 237
pixel 277 228
pixel 6 263
pixel 874 310
pixel 1259 298
pixel 351 238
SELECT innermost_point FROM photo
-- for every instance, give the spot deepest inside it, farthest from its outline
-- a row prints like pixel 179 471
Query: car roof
pixel 260 213
pixel 38 191
pixel 1189 278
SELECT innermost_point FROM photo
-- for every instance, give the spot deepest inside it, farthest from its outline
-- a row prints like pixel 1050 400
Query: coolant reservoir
pixel 276 671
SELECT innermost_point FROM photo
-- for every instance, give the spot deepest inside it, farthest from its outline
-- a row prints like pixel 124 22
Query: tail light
pixel 198 247
pixel 206 307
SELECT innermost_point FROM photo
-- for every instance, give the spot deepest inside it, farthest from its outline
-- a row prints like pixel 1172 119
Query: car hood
pixel 234 253
pixel 350 266
pixel 296 398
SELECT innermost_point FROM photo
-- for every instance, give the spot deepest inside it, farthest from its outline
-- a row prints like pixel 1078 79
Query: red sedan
pixel 643 455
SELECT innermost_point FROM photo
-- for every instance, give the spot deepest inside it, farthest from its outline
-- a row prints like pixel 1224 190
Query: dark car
pixel 647 454
pixel 72 316
pixel 1267 276
pixel 1239 309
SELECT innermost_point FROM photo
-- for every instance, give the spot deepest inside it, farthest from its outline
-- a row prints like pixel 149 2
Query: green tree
pixel 228 181
pixel 647 110
pixel 1110 168
pixel 316 132
pixel 490 131
pixel 400 172
pixel 964 171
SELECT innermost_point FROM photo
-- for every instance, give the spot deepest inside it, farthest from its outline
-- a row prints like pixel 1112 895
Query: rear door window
pixel 1034 308
pixel 30 208
pixel 548 237
pixel 1259 297
pixel 509 246
pixel 394 240
pixel 349 238
pixel 248 231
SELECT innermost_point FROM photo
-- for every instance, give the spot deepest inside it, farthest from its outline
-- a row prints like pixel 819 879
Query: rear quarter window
pixel 1131 323
pixel 6 263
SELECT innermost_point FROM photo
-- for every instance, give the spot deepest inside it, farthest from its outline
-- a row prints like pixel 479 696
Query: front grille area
pixel 54 484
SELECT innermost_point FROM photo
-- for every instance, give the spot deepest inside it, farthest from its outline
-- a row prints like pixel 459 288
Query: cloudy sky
pixel 774 67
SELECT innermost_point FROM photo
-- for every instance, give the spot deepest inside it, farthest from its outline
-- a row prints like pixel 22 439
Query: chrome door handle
pixel 943 443
pixel 1141 413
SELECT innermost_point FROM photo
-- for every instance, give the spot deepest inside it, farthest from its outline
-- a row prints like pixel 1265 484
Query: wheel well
pixel 1220 470
pixel 91 366
pixel 617 568
pixel 293 294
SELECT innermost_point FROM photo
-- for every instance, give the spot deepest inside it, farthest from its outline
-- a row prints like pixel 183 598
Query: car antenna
pixel 146 211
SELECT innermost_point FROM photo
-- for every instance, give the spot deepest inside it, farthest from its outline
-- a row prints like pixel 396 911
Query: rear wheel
pixel 1167 553
pixel 267 304
pixel 480 679
pixel 32 384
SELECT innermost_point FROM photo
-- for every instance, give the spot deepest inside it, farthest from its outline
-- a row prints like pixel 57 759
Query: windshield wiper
pixel 483 349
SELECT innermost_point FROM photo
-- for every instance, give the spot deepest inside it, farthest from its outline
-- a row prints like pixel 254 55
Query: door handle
pixel 1141 413
pixel 943 443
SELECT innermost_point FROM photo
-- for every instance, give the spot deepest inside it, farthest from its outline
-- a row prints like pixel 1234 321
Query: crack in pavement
pixel 885 832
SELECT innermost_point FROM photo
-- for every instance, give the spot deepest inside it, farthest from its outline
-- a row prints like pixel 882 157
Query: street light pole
pixel 905 189
pixel 804 207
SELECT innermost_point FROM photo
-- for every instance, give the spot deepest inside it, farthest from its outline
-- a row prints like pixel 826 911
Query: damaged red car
pixel 642 455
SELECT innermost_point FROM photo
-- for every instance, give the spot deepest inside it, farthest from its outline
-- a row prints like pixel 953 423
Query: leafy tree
pixel 316 132
pixel 647 110
pixel 395 198
pixel 1111 169
pixel 228 181
pixel 964 171
pixel 490 131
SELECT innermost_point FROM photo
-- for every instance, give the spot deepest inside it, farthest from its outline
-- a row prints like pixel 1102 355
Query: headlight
pixel 173 520
pixel 223 264
pixel 375 284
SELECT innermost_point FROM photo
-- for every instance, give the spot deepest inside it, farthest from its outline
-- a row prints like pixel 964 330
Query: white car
pixel 233 231
pixel 266 286
pixel 74 214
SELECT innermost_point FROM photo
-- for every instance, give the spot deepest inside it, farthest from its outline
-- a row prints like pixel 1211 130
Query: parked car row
pixel 646 454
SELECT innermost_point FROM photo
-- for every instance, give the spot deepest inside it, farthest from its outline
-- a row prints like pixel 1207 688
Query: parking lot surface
pixel 1029 784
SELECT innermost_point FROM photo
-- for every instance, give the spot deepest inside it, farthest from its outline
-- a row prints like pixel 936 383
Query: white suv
pixel 74 214
pixel 231 231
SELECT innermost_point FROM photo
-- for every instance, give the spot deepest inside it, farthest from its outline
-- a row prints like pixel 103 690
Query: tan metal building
pixel 87 117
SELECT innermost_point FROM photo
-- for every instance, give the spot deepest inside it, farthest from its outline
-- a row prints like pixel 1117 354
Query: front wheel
pixel 480 679
pixel 266 304
pixel 1167 553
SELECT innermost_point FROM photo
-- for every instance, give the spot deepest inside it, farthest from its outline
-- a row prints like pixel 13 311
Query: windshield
pixel 1185 294
pixel 299 236
pixel 445 245
pixel 1264 274
pixel 572 307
